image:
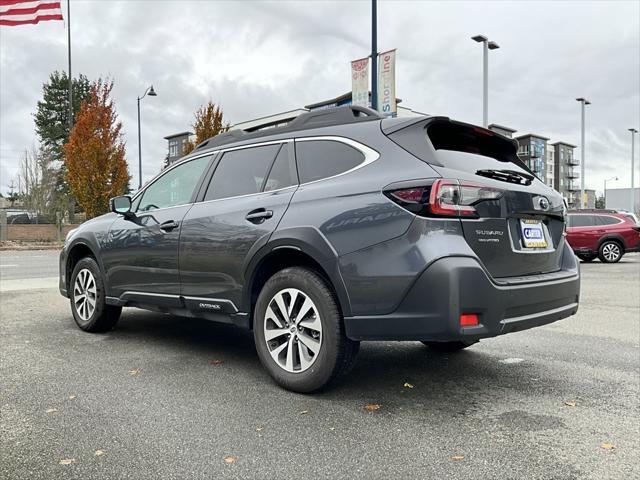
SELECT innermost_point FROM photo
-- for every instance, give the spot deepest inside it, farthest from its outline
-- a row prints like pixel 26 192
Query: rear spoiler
pixel 415 135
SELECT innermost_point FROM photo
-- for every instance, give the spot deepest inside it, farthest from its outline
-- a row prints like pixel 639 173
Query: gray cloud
pixel 257 58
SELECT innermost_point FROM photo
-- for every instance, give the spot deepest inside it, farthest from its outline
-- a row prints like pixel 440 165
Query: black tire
pixel 611 251
pixel 104 317
pixel 336 353
pixel 587 258
pixel 448 347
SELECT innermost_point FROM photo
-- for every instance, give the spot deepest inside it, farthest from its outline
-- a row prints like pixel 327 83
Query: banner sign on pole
pixel 387 83
pixel 360 82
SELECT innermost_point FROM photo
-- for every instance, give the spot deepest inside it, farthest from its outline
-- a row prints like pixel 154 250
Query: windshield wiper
pixel 512 176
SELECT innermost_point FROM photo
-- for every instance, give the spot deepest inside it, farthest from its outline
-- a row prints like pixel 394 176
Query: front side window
pixel 241 172
pixel 175 187
pixel 319 159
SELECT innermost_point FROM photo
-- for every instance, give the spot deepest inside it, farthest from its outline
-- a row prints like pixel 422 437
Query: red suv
pixel 606 234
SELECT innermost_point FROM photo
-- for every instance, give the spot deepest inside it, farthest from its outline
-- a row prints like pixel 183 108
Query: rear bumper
pixel 455 285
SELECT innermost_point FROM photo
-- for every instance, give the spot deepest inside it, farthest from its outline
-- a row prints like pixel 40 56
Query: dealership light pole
pixel 633 154
pixel 605 189
pixel 374 54
pixel 486 46
pixel 152 93
pixel 583 102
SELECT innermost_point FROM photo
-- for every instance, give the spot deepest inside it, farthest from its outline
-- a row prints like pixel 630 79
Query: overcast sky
pixel 258 58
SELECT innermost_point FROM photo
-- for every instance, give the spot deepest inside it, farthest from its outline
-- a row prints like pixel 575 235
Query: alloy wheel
pixel 292 330
pixel 611 252
pixel 85 294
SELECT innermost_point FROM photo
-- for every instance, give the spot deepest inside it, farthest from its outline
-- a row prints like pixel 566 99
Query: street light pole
pixel 583 102
pixel 633 154
pixel 605 189
pixel 374 54
pixel 152 93
pixel 486 46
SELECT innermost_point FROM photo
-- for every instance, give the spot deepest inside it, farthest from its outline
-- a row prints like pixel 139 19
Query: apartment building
pixel 532 150
pixel 566 175
pixel 502 130
pixel 550 164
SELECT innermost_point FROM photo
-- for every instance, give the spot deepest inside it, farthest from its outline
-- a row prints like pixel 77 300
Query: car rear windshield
pixel 458 145
pixel 445 135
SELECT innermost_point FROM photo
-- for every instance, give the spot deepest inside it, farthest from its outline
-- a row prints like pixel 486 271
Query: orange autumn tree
pixel 94 154
pixel 208 123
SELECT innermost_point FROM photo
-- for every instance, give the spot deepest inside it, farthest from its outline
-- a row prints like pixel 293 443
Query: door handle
pixel 259 215
pixel 169 225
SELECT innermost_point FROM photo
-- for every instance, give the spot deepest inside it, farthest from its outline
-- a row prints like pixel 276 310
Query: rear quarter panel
pixel 350 210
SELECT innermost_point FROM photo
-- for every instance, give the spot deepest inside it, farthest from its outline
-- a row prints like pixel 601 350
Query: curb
pixel 23 247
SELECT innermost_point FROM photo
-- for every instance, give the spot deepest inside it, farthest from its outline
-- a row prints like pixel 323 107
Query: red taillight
pixel 409 195
pixel 469 320
pixel 449 198
pixel 457 198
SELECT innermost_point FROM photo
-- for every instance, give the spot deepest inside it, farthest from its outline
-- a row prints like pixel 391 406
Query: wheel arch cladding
pixel 612 237
pixel 78 251
pixel 295 250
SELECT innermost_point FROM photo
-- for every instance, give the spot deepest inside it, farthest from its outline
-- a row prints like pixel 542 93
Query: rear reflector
pixel 469 320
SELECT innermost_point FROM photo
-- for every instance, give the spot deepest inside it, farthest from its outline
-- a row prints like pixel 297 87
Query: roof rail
pixel 313 119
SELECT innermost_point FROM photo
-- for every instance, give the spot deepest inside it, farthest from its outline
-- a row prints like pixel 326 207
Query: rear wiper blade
pixel 512 176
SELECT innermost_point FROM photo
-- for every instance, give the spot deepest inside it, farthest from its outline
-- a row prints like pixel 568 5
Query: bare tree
pixel 38 179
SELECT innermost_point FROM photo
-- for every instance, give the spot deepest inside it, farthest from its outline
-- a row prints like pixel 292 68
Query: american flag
pixel 22 12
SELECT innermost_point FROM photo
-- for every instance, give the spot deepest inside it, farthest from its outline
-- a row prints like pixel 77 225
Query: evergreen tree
pixel 52 114
pixel 52 124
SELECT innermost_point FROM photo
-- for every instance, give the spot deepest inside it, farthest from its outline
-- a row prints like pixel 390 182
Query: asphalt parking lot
pixel 171 398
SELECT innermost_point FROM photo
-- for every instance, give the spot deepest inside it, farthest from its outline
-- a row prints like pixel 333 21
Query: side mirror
pixel 121 205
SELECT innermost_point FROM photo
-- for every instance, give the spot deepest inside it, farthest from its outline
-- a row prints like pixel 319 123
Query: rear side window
pixel 318 159
pixel 241 172
pixel 283 172
pixel 606 220
pixel 582 220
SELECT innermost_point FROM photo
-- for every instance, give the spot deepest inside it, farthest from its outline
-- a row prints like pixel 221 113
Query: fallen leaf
pixel 229 459
pixel 51 410
pixel 72 397
pixel 509 361
pixel 571 403
pixel 408 385
pixel 304 412
pixel 457 457
pixel 99 453
pixel 372 407
pixel 608 446
pixel 216 362
pixel 67 461
pixel 259 428
pixel 134 372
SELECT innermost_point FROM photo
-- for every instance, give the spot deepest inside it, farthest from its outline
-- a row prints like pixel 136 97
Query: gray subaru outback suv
pixel 339 227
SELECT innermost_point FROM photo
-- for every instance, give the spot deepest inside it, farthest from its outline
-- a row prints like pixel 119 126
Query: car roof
pixel 329 117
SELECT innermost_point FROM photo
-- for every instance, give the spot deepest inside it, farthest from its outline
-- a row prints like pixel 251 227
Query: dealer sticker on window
pixel 532 233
